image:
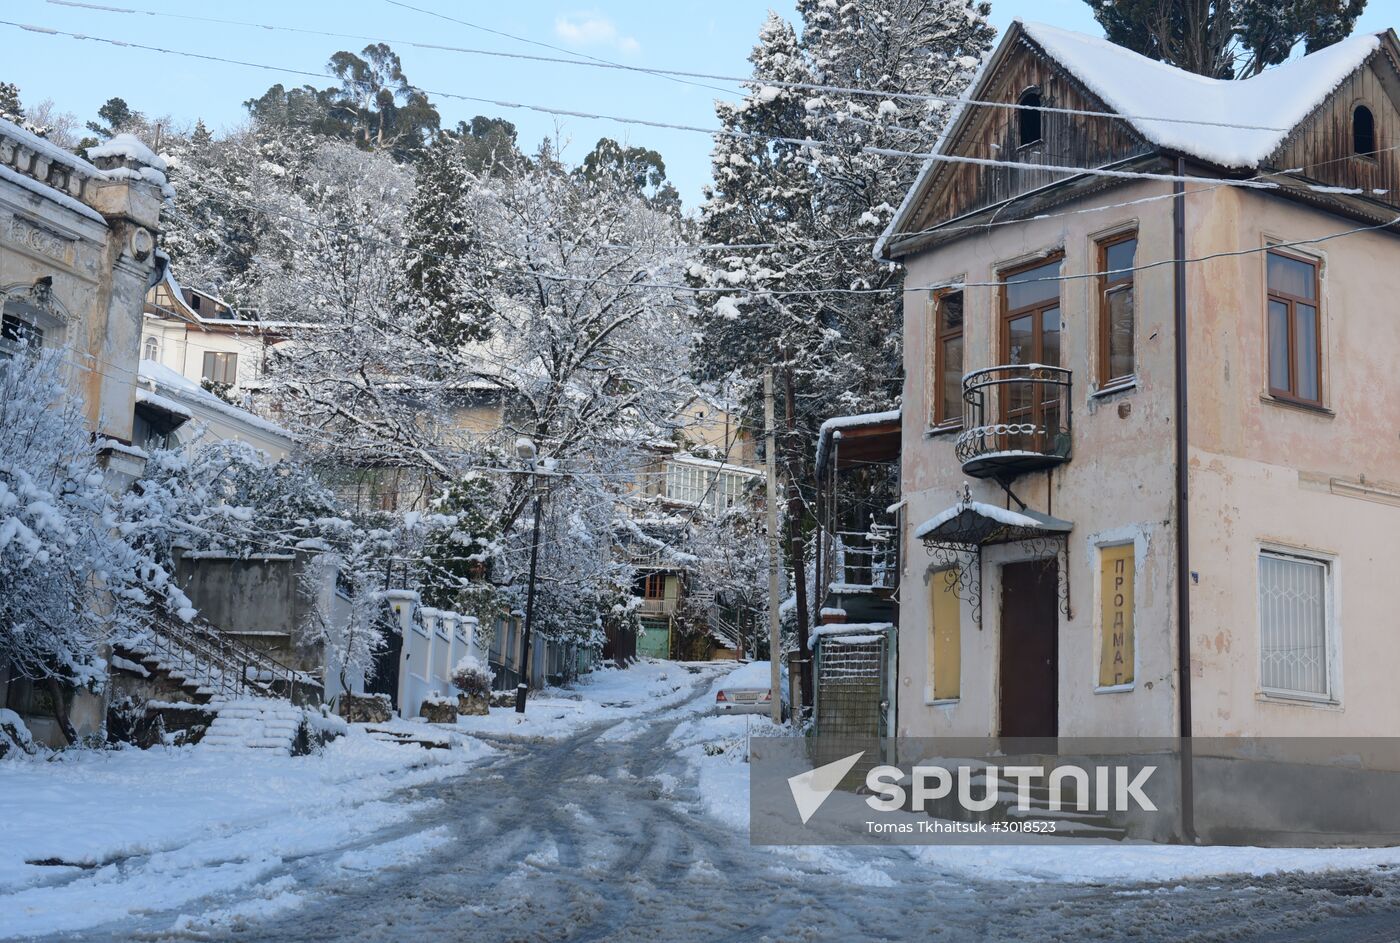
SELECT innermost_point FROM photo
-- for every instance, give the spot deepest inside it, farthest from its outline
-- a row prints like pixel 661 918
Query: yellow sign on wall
pixel 1116 615
pixel 945 642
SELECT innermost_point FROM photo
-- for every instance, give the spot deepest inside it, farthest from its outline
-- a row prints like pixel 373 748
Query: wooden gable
pixel 1322 146
pixel 990 133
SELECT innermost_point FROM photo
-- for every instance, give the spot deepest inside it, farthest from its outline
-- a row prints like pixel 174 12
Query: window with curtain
pixel 220 367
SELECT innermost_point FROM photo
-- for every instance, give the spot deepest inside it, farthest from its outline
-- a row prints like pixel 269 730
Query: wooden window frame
pixel 1270 295
pixel 943 416
pixel 1008 314
pixel 659 584
pixel 1105 285
pixel 1036 310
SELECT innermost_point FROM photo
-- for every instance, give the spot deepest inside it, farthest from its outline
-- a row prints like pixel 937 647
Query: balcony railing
pixel 1016 419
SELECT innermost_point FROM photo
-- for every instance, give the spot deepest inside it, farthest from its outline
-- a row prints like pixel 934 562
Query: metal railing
pixel 1015 417
pixel 219 665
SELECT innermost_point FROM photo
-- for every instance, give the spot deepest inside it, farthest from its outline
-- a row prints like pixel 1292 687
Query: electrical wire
pixel 598 63
pixel 805 143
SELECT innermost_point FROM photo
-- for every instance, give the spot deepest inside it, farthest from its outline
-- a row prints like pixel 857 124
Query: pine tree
pixel 440 237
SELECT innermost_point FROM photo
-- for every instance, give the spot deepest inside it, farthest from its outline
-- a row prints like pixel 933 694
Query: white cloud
pixel 593 29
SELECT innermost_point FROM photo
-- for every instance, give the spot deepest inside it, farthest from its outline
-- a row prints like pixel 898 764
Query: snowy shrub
pixel 471 677
pixel 72 572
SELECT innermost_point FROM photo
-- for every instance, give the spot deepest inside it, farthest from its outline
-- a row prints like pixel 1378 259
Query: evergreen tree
pixel 1233 39
pixel 440 239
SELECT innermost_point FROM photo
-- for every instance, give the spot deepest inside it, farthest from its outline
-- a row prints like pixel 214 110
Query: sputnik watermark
pixel 1116 788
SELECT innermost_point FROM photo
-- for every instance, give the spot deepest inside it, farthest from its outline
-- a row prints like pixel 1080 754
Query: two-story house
pixel 1151 431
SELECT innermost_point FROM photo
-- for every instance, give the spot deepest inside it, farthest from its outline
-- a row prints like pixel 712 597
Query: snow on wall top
pixel 1277 98
pixel 47 149
pixel 128 147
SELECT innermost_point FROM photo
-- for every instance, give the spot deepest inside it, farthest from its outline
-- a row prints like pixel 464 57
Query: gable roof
pixel 1170 108
pixel 1203 114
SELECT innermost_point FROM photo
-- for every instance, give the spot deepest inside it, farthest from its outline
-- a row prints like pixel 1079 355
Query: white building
pixel 174 409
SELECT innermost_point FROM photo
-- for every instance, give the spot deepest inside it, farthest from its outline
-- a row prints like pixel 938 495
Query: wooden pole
pixel 775 649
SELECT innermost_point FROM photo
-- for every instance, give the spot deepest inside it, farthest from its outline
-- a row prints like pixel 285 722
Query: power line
pixel 598 63
pixel 713 132
pixel 731 289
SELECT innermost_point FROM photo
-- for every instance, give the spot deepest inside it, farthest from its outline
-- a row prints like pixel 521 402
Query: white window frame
pixel 1331 626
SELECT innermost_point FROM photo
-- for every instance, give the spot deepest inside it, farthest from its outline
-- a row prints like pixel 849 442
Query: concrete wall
pixel 1117 487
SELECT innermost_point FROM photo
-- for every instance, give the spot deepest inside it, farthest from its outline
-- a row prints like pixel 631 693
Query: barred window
pixel 1293 625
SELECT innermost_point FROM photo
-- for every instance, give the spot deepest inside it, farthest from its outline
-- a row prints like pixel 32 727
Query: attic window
pixel 1028 117
pixel 1363 131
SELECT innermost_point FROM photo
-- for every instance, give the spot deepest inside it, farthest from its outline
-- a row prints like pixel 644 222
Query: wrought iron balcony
pixel 1016 419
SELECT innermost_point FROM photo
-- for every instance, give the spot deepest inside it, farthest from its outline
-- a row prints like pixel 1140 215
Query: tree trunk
pixel 799 556
pixel 60 710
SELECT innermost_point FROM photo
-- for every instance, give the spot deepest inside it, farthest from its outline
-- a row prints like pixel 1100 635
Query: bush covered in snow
pixel 471 677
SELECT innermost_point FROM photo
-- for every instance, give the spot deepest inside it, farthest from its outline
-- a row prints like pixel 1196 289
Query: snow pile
pixel 128 147
pixel 756 674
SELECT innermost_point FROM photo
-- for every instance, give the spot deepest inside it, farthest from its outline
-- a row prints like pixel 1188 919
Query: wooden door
pixel 1030 620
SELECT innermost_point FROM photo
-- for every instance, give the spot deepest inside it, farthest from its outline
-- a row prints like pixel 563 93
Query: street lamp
pixel 527 452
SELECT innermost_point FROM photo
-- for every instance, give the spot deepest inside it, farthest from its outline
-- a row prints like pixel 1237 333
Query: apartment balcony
pixel 1016 419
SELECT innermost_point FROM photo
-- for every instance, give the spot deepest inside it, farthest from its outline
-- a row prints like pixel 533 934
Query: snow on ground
pixel 602 695
pixel 147 830
pixel 714 748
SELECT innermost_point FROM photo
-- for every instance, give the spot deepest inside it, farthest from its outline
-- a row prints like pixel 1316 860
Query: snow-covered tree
pixel 70 576
pixel 798 290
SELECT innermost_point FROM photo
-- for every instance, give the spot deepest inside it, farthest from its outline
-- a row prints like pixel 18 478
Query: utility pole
pixel 799 555
pixel 526 450
pixel 770 462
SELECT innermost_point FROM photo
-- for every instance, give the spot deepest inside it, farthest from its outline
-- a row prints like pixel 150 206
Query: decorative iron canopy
pixel 975 524
pixel 955 537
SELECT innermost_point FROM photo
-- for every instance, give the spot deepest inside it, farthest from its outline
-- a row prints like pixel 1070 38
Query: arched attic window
pixel 1028 117
pixel 1363 131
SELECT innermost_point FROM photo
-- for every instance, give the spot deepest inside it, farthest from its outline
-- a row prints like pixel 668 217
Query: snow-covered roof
pixel 837 424
pixel 971 522
pixel 1146 91
pixel 1171 108
pixel 182 388
pixel 162 403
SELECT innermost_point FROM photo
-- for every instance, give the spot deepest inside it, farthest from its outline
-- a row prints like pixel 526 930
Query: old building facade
pixel 1150 465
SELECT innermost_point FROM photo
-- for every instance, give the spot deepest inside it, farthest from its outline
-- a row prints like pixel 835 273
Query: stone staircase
pixel 206 665
pixel 255 724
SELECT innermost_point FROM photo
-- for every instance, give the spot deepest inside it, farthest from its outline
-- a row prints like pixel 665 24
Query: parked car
pixel 748 689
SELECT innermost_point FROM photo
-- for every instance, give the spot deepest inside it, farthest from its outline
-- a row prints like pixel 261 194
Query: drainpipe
pixel 1183 545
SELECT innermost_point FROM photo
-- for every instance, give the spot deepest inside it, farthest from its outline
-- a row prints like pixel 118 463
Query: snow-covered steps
pixel 255 724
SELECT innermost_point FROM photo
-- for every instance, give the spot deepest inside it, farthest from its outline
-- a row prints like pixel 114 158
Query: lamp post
pixel 526 450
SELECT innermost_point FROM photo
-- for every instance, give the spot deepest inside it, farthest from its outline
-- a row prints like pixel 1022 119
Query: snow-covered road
pixel 602 835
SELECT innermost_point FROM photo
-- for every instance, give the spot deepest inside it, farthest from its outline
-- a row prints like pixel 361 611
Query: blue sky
pixel 713 37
